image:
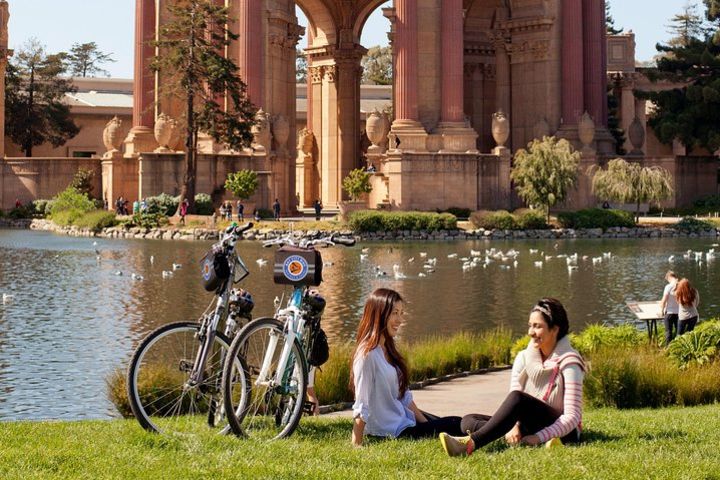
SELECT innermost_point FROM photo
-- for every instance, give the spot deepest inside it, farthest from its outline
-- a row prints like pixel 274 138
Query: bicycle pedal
pixel 308 407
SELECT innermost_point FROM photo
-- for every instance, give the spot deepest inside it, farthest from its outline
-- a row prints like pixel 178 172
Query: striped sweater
pixel 557 381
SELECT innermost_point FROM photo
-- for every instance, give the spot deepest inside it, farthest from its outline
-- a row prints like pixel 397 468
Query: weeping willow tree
pixel 630 182
pixel 545 172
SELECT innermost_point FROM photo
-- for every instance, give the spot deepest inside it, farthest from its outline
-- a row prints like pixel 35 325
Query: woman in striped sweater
pixel 545 400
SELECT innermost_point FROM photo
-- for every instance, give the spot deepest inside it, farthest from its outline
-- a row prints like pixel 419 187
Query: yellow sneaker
pixel 456 446
pixel 553 442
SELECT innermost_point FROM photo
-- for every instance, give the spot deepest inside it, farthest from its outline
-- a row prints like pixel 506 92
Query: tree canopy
pixel 377 66
pixel 195 71
pixel 691 59
pixel 610 22
pixel 630 182
pixel 85 60
pixel 545 172
pixel 34 92
pixel 300 66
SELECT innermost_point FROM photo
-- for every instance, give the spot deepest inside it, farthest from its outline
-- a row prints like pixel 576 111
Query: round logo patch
pixel 206 270
pixel 295 268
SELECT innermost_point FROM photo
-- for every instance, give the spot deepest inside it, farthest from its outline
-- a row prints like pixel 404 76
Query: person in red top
pixel 18 203
pixel 183 210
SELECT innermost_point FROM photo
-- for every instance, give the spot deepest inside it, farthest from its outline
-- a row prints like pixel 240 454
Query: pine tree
pixel 85 59
pixel 610 22
pixel 34 92
pixel 195 71
pixel 689 113
pixel 685 26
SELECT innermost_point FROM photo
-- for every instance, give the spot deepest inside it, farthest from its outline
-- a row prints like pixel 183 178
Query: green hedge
pixel 96 220
pixel 522 219
pixel 374 221
pixel 690 224
pixel 596 218
pixel 167 205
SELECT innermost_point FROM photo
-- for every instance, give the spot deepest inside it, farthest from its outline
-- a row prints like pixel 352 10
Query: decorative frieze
pixel 528 50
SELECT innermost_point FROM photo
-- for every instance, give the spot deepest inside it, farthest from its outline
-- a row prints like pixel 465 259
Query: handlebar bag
pixel 215 269
pixel 297 266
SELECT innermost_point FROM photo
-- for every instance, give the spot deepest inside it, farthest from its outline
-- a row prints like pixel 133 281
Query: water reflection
pixel 74 318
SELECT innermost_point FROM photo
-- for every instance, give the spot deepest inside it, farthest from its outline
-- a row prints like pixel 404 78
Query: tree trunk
pixel 637 212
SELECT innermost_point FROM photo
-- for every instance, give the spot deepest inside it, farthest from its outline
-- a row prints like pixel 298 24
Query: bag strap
pixel 564 361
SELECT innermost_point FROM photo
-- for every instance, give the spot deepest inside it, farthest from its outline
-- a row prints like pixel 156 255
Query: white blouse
pixel 376 396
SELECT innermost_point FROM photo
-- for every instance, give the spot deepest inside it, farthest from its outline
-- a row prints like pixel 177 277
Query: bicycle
pixel 173 380
pixel 267 399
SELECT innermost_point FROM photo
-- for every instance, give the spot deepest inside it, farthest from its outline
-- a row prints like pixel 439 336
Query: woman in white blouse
pixel 384 405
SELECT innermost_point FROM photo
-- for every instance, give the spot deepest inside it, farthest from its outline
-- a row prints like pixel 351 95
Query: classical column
pixel 593 39
pixel 572 61
pixel 251 44
pixel 4 17
pixel 452 61
pixel 141 138
pixel 406 54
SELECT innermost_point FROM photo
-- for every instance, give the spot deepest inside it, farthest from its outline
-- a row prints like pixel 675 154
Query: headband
pixel 541 309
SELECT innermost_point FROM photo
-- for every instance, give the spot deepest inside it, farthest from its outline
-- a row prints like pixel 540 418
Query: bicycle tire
pixel 264 411
pixel 160 396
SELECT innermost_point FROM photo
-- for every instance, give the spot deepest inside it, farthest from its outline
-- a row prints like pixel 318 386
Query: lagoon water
pixel 72 319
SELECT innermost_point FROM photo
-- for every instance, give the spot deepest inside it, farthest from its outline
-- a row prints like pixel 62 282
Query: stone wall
pixel 28 179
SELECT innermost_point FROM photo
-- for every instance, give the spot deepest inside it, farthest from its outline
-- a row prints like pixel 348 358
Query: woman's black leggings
pixel 433 427
pixel 532 413
pixel 687 325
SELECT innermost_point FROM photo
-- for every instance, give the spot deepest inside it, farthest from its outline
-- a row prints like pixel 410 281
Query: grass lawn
pixel 673 443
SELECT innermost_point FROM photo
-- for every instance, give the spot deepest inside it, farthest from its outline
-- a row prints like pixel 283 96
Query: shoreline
pixel 260 234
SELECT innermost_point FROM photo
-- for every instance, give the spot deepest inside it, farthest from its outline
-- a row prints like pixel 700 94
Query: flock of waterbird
pixel 510 259
pixel 505 260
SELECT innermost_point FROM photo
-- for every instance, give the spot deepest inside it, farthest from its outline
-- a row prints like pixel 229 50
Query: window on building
pixel 82 154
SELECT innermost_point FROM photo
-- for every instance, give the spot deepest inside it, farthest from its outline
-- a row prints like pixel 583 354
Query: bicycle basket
pixel 297 266
pixel 214 269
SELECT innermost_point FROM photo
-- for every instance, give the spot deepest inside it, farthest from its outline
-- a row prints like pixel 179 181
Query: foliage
pixel 613 121
pixel 42 207
pixel 458 212
pixel 198 74
pixel 265 213
pixel 301 66
pixel 531 220
pixel 84 60
pixel 83 181
pixel 23 211
pixel 242 183
pixel 499 219
pixel 375 221
pixel 610 22
pixel 596 218
pixel 148 220
pixel 545 172
pixel 164 203
pixel 96 220
pixel 692 59
pixel 203 204
pixel 630 182
pixel 34 99
pixel 356 183
pixel 377 66
pixel 69 205
pixel 596 336
pixel 695 348
pixel 690 224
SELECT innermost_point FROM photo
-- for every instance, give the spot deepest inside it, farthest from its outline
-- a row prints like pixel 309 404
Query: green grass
pixel 674 443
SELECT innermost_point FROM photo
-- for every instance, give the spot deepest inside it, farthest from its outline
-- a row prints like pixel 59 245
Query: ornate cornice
pixel 528 50
pixel 524 25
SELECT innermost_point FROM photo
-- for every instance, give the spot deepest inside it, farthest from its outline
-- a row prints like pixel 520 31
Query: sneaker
pixel 553 442
pixel 456 446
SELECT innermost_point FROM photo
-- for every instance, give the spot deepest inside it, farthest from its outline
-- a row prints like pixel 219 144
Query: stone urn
pixel 500 128
pixel 112 139
pixel 164 127
pixel 636 135
pixel 541 129
pixel 261 131
pixel 375 126
pixel 586 130
pixel 281 131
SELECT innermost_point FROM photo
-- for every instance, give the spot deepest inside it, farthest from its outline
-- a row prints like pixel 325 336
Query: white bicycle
pixel 267 398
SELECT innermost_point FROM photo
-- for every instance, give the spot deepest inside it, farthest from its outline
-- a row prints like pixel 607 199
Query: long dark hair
pixel 554 314
pixel 373 326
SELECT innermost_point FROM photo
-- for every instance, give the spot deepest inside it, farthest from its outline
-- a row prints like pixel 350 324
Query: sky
pixel 58 24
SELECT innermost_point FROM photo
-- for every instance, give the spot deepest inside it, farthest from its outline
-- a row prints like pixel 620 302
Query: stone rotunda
pixel 474 80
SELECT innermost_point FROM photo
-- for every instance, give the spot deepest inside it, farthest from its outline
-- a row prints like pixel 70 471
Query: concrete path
pixel 472 394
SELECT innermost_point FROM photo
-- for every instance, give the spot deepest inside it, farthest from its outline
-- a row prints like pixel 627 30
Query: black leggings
pixel 433 427
pixel 532 413
pixel 687 325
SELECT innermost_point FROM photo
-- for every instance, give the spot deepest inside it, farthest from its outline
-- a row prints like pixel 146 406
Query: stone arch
pixel 320 20
pixel 363 16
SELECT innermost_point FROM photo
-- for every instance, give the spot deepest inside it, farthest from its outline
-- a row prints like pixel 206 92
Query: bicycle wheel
pixel 261 407
pixel 161 395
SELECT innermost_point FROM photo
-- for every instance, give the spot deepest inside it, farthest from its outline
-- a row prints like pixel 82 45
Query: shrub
pixel 374 221
pixel 356 183
pixel 458 212
pixel 697 347
pixel 23 211
pixel 83 181
pixel 265 213
pixel 242 183
pixel 203 204
pixel 500 219
pixel 148 220
pixel 164 203
pixel 40 206
pixel 596 218
pixel 596 336
pixel 97 220
pixel 532 220
pixel 690 224
pixel 69 205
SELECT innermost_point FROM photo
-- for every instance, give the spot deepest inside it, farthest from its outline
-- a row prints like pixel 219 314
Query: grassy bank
pixel 631 444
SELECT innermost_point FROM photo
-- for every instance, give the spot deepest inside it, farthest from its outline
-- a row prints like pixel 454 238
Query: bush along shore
pixel 174 233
